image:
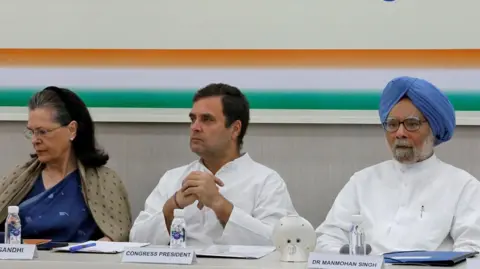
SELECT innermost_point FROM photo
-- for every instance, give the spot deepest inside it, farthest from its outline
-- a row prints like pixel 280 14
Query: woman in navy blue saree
pixel 65 192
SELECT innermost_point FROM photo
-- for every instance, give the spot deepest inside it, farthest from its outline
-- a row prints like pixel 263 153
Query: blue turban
pixel 432 102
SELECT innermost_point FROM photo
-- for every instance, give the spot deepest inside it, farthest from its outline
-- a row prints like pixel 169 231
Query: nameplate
pixel 337 261
pixel 159 255
pixel 18 252
pixel 473 263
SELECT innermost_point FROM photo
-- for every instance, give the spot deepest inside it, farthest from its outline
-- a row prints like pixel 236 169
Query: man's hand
pixel 204 187
pixel 178 200
pixel 183 200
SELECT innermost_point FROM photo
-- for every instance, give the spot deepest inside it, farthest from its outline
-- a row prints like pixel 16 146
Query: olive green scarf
pixel 102 189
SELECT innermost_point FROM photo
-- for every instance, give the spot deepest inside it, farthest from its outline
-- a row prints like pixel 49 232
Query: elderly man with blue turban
pixel 414 201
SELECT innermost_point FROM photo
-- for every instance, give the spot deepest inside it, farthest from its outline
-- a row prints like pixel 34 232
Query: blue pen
pixel 79 247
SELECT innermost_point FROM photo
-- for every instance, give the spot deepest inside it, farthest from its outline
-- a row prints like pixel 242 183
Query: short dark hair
pixel 235 105
pixel 67 107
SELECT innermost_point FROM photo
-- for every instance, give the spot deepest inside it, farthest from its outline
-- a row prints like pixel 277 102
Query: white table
pixel 50 260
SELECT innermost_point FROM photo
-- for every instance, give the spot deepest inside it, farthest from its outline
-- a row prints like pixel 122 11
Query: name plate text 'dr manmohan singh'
pixel 159 255
pixel 338 261
pixel 18 252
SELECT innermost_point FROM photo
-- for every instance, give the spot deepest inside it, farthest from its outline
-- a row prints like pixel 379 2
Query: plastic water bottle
pixel 13 226
pixel 357 237
pixel 177 230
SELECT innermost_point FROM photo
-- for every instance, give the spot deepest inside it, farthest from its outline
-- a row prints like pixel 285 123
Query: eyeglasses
pixel 410 124
pixel 39 132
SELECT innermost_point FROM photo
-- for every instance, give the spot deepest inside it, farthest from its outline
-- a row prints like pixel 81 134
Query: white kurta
pixel 258 193
pixel 429 205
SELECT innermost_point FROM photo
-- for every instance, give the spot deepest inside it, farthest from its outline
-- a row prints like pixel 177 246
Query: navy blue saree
pixel 59 214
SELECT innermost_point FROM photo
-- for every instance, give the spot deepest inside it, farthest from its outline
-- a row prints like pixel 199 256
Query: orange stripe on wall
pixel 242 58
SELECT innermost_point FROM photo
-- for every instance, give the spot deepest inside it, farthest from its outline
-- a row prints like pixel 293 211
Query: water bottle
pixel 13 226
pixel 357 237
pixel 177 230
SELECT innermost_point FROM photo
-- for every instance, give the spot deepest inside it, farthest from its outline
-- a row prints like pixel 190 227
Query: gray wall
pixel 314 160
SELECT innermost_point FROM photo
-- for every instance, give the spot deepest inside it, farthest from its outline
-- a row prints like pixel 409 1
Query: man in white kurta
pixel 227 197
pixel 414 201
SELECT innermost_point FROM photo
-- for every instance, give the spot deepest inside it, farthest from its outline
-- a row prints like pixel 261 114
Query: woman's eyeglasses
pixel 39 133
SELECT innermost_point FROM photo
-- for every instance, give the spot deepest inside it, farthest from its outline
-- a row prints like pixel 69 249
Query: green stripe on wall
pixel 259 99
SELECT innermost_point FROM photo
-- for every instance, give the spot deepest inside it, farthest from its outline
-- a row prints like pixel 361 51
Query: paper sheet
pixel 103 247
pixel 235 251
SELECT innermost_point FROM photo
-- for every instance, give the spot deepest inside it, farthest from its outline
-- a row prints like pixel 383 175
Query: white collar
pixel 424 165
pixel 243 160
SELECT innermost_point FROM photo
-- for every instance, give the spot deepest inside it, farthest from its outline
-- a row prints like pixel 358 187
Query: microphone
pixel 345 249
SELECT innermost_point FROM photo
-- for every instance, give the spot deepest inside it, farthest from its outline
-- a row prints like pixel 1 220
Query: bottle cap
pixel 178 213
pixel 13 209
pixel 357 219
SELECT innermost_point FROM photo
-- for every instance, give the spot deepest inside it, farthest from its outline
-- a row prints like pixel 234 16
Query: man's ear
pixel 236 128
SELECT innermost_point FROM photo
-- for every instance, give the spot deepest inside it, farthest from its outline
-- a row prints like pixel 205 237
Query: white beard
pixel 410 154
